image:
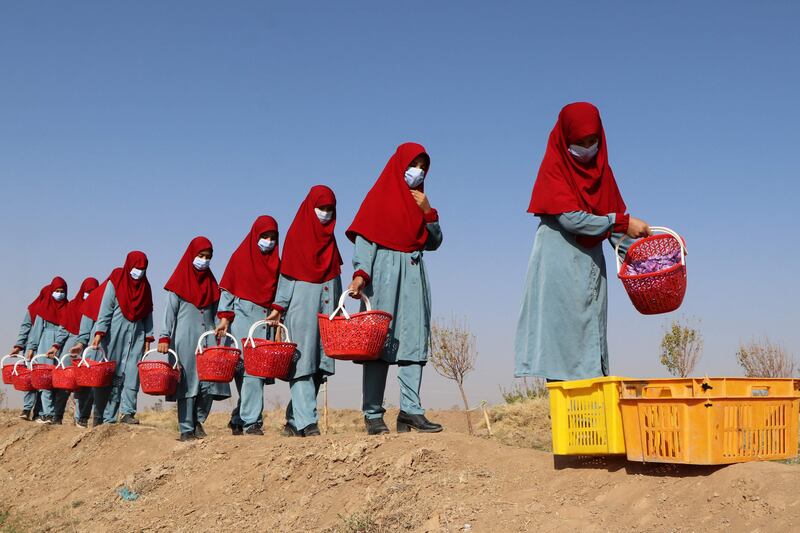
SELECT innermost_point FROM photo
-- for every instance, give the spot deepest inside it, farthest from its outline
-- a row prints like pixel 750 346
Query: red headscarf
pixel 91 306
pixel 563 184
pixel 71 313
pixel 310 252
pixel 389 216
pixel 134 296
pixel 250 274
pixel 198 287
pixel 45 305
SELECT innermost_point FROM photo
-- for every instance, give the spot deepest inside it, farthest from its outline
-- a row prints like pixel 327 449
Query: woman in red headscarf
pixel 394 226
pixel 30 401
pixel 192 298
pixel 248 290
pixel 561 334
pixel 124 331
pixel 68 336
pixel 309 284
pixel 46 312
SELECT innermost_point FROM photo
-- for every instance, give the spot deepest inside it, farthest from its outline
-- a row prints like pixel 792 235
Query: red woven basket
pixel 89 373
pixel 159 378
pixel 357 337
pixel 42 374
pixel 22 377
pixel 64 376
pixel 8 377
pixel 217 363
pixel 268 359
pixel 656 292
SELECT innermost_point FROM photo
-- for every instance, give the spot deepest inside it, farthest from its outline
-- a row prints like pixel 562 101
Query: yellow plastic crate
pixel 585 416
pixel 710 421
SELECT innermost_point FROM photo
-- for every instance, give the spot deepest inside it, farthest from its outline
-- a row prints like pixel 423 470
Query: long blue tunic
pixel 42 337
pixel 302 301
pixel 183 324
pixel 561 333
pixel 246 313
pixel 124 340
pixel 24 331
pixel 66 340
pixel 399 285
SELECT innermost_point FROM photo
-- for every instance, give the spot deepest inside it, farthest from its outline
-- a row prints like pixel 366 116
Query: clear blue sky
pixel 140 125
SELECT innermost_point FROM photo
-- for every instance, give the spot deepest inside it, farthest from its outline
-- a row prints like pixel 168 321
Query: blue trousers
pixel 409 376
pixel 84 399
pixel 192 411
pixel 238 377
pixel 47 399
pixel 30 400
pixel 302 409
pixel 252 401
pixel 109 401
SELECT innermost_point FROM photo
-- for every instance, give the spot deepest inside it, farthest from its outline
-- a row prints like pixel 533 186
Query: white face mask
pixel 137 273
pixel 323 216
pixel 85 295
pixel 584 155
pixel 58 296
pixel 414 177
pixel 201 263
pixel 266 245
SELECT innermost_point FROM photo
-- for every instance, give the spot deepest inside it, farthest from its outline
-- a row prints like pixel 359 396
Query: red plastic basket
pixel 41 374
pixel 268 359
pixel 656 292
pixel 22 377
pixel 357 337
pixel 159 378
pixel 217 363
pixel 64 376
pixel 89 373
pixel 8 369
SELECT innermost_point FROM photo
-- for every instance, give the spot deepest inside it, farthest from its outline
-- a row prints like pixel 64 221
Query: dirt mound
pixel 126 478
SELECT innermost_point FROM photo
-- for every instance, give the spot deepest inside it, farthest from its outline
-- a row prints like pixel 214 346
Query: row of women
pixel 393 228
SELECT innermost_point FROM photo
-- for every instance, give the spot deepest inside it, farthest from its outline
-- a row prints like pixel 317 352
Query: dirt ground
pixel 140 478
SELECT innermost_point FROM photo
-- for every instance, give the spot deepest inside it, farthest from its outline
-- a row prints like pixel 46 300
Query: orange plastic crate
pixel 708 421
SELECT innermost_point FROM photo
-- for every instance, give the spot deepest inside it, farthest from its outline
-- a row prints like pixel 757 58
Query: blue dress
pixel 398 285
pixel 561 332
pixel 124 343
pixel 42 337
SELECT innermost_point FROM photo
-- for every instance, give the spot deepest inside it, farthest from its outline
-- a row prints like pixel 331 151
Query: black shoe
pixel 254 430
pixel 376 426
pixel 236 429
pixel 311 430
pixel 290 431
pixel 187 436
pixel 199 432
pixel 25 415
pixel 48 420
pixel 58 421
pixel 128 419
pixel 97 422
pixel 82 423
pixel 407 422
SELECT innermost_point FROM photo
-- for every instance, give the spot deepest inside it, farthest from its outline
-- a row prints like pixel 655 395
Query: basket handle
pixel 341 308
pixel 98 349
pixel 3 360
pixel 212 332
pixel 659 229
pixel 60 360
pixel 265 322
pixel 14 372
pixel 169 350
pixel 35 357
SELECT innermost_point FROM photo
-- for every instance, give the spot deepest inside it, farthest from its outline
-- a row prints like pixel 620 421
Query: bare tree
pixel 681 348
pixel 453 353
pixel 763 359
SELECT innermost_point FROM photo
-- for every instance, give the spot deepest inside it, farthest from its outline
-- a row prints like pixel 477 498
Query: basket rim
pixel 226 348
pixel 272 343
pixel 354 315
pixel 673 268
